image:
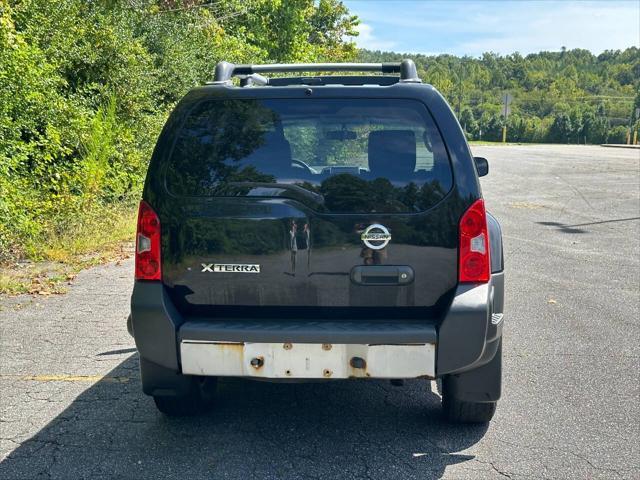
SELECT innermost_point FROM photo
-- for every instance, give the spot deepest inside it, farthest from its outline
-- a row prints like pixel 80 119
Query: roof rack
pixel 381 80
pixel 251 74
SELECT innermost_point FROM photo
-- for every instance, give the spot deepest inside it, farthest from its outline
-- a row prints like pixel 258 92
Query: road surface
pixel 71 405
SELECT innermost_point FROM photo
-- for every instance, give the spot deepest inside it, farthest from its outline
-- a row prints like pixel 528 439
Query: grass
pixel 99 237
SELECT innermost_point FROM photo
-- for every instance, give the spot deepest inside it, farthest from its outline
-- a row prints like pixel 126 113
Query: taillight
pixel 474 265
pixel 148 244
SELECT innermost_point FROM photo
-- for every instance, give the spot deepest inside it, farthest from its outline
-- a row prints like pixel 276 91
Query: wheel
pixel 458 411
pixel 198 400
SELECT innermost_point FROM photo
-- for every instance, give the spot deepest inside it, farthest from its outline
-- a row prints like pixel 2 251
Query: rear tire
pixel 458 411
pixel 199 399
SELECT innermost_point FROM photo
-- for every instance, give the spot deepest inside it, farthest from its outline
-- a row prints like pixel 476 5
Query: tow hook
pixel 357 362
pixel 257 362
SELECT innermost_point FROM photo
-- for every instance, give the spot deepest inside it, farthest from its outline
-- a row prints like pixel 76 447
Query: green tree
pixel 85 87
pixel 468 122
pixel 561 129
pixel 595 126
pixel 544 85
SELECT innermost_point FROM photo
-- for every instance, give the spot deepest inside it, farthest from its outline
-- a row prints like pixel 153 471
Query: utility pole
pixel 459 97
pixel 507 98
pixel 633 127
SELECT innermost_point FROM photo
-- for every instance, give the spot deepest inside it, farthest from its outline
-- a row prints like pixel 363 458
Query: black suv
pixel 317 227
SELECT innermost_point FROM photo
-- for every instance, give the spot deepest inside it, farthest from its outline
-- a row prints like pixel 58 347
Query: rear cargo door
pixel 309 203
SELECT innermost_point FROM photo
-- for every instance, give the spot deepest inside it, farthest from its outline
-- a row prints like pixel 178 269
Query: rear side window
pixel 345 155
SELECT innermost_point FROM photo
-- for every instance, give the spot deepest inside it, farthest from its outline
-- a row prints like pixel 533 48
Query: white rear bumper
pixel 307 360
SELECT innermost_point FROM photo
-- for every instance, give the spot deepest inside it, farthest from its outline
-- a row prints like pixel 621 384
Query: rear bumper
pixel 304 331
pixel 307 360
pixel 465 339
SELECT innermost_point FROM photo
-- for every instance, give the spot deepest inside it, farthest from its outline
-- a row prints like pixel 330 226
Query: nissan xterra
pixel 317 227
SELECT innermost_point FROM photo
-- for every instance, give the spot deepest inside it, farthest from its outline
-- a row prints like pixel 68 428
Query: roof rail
pixel 225 71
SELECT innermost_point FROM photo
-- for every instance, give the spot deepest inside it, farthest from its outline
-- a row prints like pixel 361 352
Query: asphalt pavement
pixel 71 405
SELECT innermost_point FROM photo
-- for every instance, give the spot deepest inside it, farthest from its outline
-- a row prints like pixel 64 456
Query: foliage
pixel 571 96
pixel 85 87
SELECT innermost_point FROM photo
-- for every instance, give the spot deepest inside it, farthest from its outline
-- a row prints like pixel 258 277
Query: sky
pixel 462 27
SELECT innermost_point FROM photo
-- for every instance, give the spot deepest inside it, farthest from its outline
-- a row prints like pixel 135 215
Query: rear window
pixel 343 155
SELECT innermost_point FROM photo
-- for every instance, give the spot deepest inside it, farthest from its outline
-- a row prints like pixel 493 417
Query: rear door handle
pixel 382 275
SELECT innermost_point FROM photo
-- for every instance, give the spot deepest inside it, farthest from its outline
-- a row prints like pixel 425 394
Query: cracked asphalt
pixel 71 405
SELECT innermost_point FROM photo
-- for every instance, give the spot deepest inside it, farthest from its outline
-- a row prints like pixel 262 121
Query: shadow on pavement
pixel 350 429
pixel 562 227
pixel 573 228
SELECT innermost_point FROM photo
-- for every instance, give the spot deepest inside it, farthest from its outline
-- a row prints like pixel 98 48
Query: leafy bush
pixel 86 86
pixel 617 134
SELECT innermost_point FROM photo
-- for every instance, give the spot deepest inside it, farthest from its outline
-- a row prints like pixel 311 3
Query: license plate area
pixel 307 360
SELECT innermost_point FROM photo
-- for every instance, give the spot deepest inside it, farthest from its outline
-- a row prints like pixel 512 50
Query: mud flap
pixel 162 381
pixel 483 384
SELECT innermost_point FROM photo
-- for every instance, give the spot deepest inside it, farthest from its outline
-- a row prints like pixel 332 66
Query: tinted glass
pixel 343 155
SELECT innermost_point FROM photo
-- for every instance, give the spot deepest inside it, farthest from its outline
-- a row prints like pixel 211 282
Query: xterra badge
pixel 230 268
pixel 376 236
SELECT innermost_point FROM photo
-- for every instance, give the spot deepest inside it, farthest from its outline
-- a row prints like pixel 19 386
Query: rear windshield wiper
pixel 315 197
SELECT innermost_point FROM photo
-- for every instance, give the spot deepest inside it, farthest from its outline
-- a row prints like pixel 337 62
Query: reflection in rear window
pixel 342 155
